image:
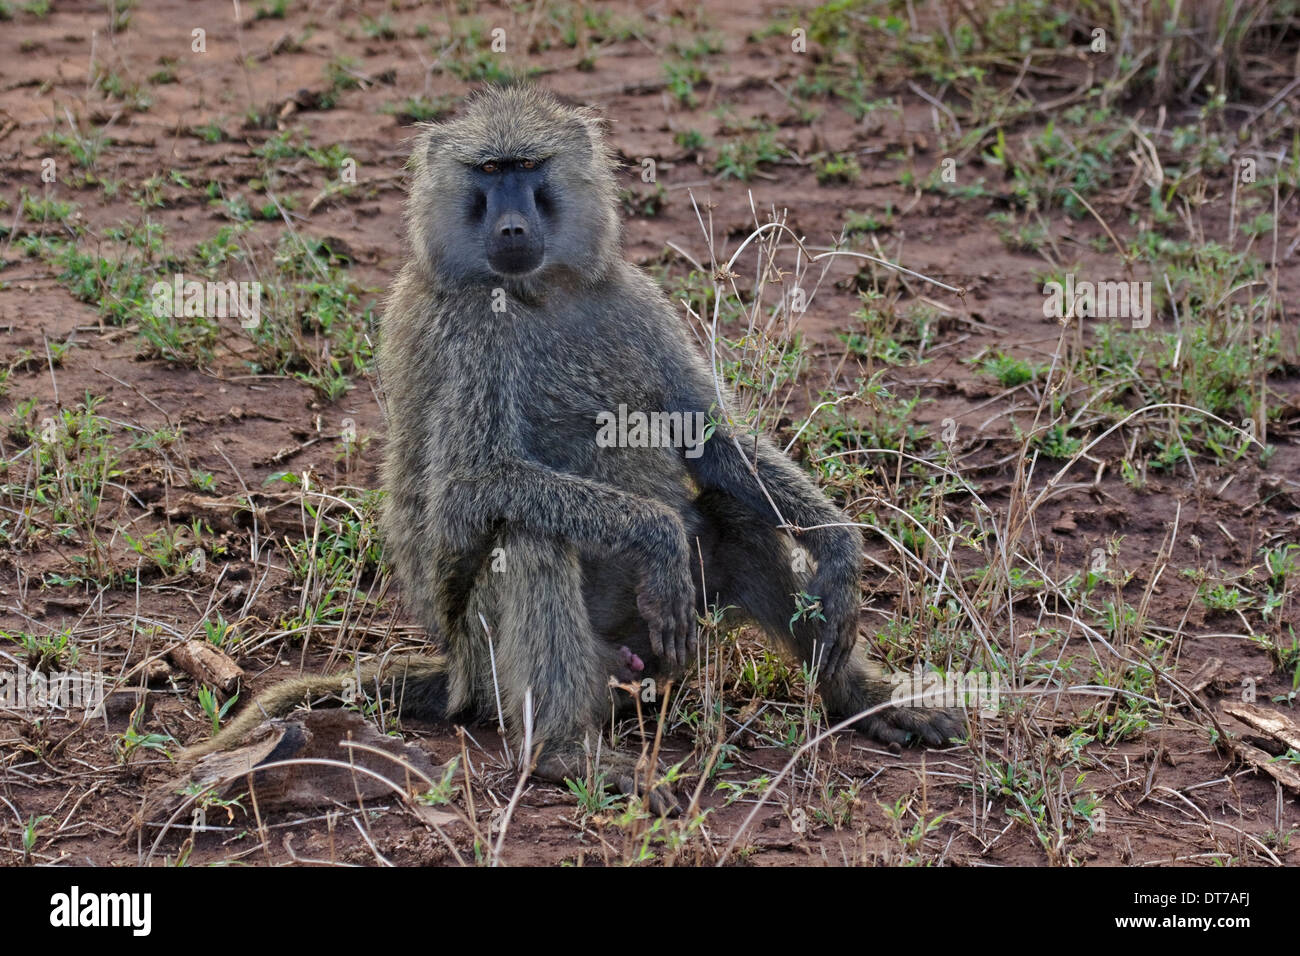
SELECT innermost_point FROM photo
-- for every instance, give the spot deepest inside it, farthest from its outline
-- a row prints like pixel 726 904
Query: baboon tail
pixel 415 685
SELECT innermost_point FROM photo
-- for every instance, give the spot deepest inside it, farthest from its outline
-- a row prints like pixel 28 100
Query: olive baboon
pixel 543 558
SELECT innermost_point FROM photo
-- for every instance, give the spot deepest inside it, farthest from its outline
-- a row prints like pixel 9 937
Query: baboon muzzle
pixel 515 244
pixel 513 247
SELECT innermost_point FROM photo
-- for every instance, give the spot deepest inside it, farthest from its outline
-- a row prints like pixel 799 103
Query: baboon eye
pixel 528 164
pixel 488 167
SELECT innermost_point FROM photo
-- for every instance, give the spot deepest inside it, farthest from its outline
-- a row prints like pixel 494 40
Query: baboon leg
pixel 543 641
pixel 754 567
pixel 622 634
pixel 750 566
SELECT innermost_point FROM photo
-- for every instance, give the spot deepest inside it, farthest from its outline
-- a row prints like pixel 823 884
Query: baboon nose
pixel 512 226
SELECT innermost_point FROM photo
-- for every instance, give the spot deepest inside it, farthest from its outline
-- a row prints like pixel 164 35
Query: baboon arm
pixel 567 507
pixel 531 497
pixel 773 488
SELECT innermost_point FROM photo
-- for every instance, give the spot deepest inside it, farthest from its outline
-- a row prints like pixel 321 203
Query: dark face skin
pixel 510 209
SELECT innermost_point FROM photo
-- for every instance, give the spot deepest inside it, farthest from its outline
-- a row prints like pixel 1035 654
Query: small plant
pixel 683 77
pixel 1281 563
pixel 1056 442
pixel 132 95
pixel 216 631
pixel 418 109
pixel 593 794
pixel 133 738
pixel 856 223
pixel 215 712
pixel 1224 597
pixel 740 158
pixel 647 204
pixel 30 833
pixel 45 209
pixel 210 132
pixel 83 148
pixel 691 140
pixel 47 653
pixel 911 839
pixel 1010 372
pixel 838 168
pixel 380 28
pixel 444 791
pixel 808 607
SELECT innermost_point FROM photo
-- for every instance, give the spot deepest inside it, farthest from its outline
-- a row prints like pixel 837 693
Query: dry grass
pixel 1099 515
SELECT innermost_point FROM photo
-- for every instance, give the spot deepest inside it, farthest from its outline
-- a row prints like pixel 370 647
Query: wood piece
pixel 1281 771
pixel 205 663
pixel 1269 722
pixel 155 671
pixel 1207 673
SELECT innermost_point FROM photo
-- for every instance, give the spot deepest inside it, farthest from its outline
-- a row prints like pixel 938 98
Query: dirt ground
pixel 166 484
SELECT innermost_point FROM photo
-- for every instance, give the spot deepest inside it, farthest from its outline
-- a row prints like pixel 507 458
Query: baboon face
pixel 518 191
pixel 510 208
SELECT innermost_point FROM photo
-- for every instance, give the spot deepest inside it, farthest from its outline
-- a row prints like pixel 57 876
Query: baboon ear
pixel 601 127
pixel 432 137
pixel 597 126
pixel 588 130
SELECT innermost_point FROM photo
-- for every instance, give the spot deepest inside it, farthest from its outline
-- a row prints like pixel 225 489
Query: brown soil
pixel 1169 794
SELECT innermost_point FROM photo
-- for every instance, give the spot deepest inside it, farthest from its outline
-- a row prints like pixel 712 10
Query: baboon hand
pixel 665 599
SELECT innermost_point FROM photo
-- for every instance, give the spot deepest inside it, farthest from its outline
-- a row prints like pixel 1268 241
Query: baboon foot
pixel 622 773
pixel 867 686
pixel 900 726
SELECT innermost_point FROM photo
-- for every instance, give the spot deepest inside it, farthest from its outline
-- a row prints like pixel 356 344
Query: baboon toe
pixel 661 800
pixel 621 772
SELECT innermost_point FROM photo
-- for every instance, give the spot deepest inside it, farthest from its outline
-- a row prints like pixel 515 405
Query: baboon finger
pixel 650 612
pixel 821 653
pixel 932 736
pixel 663 802
pixel 944 726
pixel 681 642
pixel 932 727
pixel 656 637
pixel 686 627
pixel 830 658
pixel 827 657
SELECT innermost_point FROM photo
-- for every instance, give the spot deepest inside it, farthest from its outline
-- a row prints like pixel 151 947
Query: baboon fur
pixel 503 511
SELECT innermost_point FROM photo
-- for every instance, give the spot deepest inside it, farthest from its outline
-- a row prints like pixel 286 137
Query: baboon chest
pixel 588 407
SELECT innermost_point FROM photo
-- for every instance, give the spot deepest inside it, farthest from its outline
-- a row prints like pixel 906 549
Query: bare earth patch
pixel 1101 514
